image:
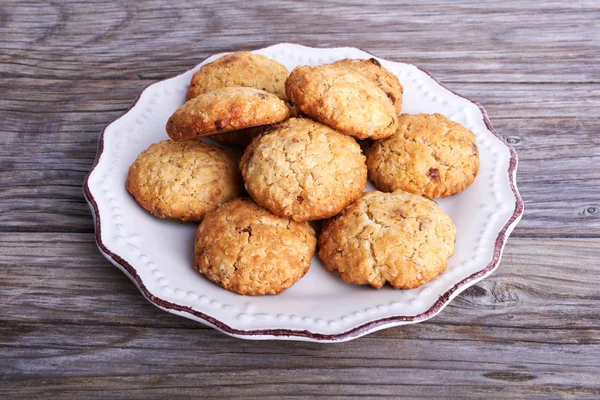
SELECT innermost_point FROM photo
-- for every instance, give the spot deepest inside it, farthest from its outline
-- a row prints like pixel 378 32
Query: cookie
pixel 224 110
pixel 183 180
pixel 240 69
pixel 428 155
pixel 304 170
pixel 246 249
pixel 241 138
pixel 398 237
pixel 343 99
pixel 373 70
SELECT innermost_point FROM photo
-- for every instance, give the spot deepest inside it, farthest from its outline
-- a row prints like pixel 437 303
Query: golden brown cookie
pixel 241 138
pixel 343 99
pixel 224 110
pixel 183 180
pixel 428 155
pixel 373 70
pixel 246 249
pixel 240 69
pixel 398 237
pixel 304 170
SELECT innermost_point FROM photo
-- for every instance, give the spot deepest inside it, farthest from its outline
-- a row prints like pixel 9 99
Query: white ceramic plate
pixel 157 254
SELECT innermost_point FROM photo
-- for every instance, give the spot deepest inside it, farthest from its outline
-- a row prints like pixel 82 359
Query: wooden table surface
pixel 73 326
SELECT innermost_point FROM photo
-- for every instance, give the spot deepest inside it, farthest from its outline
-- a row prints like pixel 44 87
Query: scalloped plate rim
pixel 305 334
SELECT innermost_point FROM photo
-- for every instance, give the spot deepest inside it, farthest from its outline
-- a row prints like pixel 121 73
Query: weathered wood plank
pixel 515 41
pixel 530 329
pixel 558 175
pixel 275 382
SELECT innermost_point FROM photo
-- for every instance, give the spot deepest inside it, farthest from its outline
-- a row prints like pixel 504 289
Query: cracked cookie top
pixel 183 180
pixel 373 70
pixel 246 249
pixel 304 170
pixel 241 68
pixel 398 237
pixel 428 155
pixel 343 99
pixel 224 110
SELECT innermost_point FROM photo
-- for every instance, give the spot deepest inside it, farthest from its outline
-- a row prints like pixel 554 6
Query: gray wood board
pixel 531 329
pixel 72 325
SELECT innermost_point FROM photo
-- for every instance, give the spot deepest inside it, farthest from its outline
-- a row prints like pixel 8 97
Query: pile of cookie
pixel 302 163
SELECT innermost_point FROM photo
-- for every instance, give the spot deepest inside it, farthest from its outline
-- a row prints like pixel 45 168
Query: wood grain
pixel 73 326
pixel 518 41
pixel 518 331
